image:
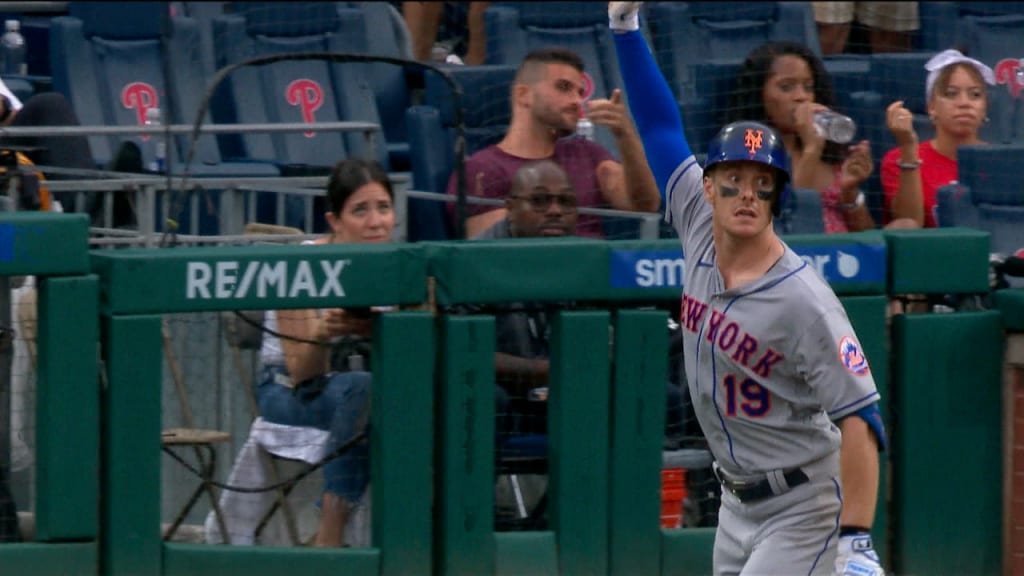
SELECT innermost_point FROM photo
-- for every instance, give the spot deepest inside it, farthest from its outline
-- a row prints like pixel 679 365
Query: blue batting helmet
pixel 754 142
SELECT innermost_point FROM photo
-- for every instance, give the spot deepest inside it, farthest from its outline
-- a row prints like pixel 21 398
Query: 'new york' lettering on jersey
pixel 770 364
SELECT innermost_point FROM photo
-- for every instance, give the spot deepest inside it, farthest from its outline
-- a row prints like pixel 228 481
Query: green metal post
pixel 578 441
pixel 67 410
pixel 638 427
pixel 130 497
pixel 465 471
pixel 402 451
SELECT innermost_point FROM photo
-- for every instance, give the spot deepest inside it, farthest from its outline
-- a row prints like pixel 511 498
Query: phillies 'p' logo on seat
pixel 140 97
pixel 308 96
pixel 1009 71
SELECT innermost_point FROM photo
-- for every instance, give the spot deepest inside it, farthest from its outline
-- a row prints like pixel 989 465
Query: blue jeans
pixel 341 407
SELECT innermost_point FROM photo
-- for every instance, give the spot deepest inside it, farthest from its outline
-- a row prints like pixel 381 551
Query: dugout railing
pixel 433 406
pixel 431 434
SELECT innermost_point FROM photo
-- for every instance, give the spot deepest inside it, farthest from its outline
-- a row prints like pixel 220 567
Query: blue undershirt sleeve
pixel 873 417
pixel 653 106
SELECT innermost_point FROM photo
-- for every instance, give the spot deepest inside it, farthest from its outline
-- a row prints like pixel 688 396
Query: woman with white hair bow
pixel 957 106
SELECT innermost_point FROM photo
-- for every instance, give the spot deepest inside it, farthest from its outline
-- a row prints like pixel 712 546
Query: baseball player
pixel 777 377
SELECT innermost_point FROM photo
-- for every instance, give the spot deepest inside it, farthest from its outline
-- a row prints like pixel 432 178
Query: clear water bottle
pixel 159 162
pixel 835 127
pixel 12 47
pixel 585 128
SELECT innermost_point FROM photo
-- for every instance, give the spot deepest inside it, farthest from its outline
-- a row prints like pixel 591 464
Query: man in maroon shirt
pixel 547 101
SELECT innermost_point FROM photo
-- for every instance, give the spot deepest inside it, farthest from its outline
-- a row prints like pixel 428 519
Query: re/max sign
pixel 281 279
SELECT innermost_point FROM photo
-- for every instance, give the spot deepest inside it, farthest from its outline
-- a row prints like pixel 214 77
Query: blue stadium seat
pixel 111 69
pixel 203 13
pixel 801 214
pixel 940 21
pixel 431 161
pixel 902 77
pixel 987 196
pixel 700 48
pixel 686 33
pixel 486 108
pixel 295 90
pixel 391 84
pixel 706 112
pixel 113 61
pixel 893 77
pixel 938 25
pixel 996 41
pixel 486 112
pixel 516 28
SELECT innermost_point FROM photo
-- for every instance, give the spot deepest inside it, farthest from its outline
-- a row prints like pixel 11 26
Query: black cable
pixel 310 468
pixel 337 57
pixel 278 335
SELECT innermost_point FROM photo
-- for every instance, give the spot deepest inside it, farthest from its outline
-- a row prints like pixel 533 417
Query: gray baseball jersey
pixel 770 364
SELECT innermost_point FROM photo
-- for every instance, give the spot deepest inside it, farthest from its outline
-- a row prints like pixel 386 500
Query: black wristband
pixel 847 530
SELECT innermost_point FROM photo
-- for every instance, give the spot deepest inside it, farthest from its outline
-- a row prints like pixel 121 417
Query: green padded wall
pixel 947 443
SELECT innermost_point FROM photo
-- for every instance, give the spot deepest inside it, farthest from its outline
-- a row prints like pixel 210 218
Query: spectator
pixel 424 20
pixel 957 106
pixel 783 84
pixel 46 109
pixel 889 24
pixel 541 203
pixel 547 102
pixel 307 383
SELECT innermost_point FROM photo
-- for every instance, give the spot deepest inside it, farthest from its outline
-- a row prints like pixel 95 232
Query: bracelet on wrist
pixel 909 165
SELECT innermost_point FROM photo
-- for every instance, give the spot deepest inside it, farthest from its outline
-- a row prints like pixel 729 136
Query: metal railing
pixel 232 209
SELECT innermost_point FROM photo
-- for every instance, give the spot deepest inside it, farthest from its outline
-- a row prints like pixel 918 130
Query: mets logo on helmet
pixel 753 140
pixel 852 357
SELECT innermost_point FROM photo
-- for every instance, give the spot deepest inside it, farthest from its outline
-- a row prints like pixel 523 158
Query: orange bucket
pixel 673 492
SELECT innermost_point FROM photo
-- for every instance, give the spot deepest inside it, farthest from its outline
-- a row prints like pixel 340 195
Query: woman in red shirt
pixel 958 106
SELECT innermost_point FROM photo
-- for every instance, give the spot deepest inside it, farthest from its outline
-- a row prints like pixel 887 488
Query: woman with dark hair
pixel 784 85
pixel 912 172
pixel 315 363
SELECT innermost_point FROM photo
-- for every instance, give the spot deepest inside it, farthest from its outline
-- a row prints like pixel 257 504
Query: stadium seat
pixel 203 13
pixel 112 69
pixel 391 84
pixel 113 61
pixel 486 108
pixel 685 33
pixel 996 41
pixel 902 77
pixel 486 111
pixel 516 28
pixel 431 163
pixel 700 48
pixel 987 195
pixel 706 112
pixel 801 214
pixel 295 90
pixel 940 21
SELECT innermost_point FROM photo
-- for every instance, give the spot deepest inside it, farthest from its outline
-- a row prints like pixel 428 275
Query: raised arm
pixel 651 102
pixel 901 180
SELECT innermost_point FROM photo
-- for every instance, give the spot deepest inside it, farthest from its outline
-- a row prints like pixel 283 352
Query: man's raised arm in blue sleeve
pixel 651 102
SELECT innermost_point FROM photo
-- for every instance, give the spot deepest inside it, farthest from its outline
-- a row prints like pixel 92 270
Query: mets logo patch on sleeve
pixel 852 356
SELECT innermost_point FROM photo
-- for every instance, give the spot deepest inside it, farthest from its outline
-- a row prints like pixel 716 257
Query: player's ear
pixel 709 188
